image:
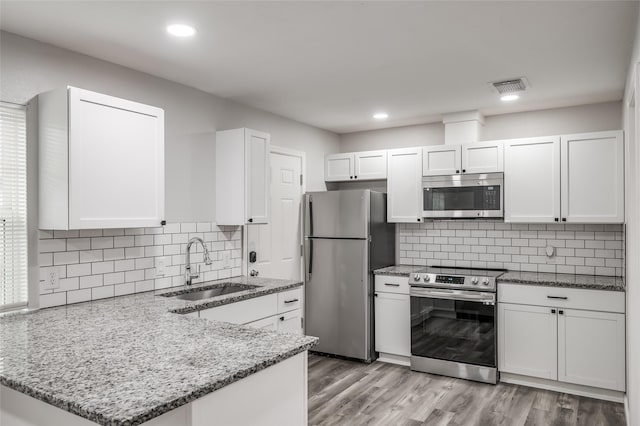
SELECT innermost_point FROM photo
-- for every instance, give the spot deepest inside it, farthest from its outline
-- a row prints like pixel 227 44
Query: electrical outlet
pixel 161 263
pixel 51 281
pixel 226 259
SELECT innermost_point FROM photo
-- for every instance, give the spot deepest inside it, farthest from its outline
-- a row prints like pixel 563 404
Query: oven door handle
pixel 453 295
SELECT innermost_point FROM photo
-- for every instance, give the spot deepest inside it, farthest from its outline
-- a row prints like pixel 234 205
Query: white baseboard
pixel 627 413
pixel 553 385
pixel 394 359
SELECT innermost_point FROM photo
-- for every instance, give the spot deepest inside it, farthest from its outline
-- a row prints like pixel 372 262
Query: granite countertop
pixel 128 359
pixel 399 270
pixel 590 282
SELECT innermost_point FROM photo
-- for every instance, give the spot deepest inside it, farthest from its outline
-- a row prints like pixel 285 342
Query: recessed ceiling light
pixel 381 116
pixel 181 30
pixel 508 98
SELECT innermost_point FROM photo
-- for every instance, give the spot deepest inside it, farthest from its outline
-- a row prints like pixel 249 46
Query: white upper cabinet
pixel 482 157
pixel 101 161
pixel 370 165
pixel 242 177
pixel 593 177
pixel 532 180
pixel 339 167
pixel 404 185
pixel 366 165
pixel 441 160
pixel 477 157
pixel 573 178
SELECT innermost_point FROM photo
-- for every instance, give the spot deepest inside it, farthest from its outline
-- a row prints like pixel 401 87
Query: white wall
pixel 582 118
pixel 29 67
pixel 632 208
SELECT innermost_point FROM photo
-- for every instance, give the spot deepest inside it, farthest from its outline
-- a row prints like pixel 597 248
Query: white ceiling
pixel 333 64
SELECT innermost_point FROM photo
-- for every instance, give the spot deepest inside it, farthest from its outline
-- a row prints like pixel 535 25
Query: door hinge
pixel 301 178
pixel 301 250
pixel 302 323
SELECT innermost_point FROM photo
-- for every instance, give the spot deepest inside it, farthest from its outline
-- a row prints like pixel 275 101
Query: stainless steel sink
pixel 218 290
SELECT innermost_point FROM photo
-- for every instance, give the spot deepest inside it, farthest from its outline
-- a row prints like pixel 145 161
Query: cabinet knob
pixel 457 171
pixel 250 220
pixel 375 294
pixel 350 177
pixel 464 170
pixel 281 318
pixel 553 311
pixel 355 177
pixel 564 219
pixel 418 219
pixel 561 312
pixel 556 219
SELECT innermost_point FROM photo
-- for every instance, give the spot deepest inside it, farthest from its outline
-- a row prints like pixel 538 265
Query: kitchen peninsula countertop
pixel 128 359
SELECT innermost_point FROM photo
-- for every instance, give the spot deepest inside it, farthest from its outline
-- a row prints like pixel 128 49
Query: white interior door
pixel 277 243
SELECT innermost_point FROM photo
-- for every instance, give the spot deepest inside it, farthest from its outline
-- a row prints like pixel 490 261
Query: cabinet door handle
pixel 561 312
pixel 250 220
pixel 556 219
pixel 392 285
pixel 281 318
pixel 291 301
pixel 375 294
pixel 457 171
pixel 558 297
pixel 564 219
pixel 553 311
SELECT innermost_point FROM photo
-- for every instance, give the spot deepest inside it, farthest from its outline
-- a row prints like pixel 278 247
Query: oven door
pixel 453 325
pixel 477 195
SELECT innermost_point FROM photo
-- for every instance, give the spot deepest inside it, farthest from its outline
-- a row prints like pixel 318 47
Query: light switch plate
pixel 161 263
pixel 51 280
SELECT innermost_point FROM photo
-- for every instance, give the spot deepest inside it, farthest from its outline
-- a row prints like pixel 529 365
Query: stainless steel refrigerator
pixel 346 237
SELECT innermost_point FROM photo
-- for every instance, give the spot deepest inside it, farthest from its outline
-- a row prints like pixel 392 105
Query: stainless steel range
pixel 453 322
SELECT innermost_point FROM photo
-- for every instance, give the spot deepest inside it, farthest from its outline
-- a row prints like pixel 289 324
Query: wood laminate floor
pixel 351 393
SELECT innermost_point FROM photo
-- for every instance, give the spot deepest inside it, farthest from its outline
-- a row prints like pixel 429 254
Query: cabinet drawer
pixel 268 323
pixel 392 284
pixel 591 300
pixel 289 300
pixel 245 311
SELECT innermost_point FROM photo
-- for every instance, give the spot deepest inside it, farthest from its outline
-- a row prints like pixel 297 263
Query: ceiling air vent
pixel 510 86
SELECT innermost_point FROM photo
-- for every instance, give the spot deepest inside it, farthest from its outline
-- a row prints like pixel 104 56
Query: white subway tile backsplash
pixel 91 232
pixel 79 269
pixel 66 257
pixel 79 296
pixel 91 281
pixel 52 245
pixel 585 249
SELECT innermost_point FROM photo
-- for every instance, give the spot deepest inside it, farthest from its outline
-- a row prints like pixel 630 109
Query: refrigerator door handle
pixel 310 216
pixel 309 257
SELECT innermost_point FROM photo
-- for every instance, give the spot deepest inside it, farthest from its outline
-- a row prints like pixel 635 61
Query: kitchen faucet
pixel 188 276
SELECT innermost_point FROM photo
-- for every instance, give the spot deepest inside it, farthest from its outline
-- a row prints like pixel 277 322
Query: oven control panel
pixel 467 282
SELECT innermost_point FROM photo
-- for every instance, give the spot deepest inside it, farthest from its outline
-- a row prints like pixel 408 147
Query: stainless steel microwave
pixel 463 196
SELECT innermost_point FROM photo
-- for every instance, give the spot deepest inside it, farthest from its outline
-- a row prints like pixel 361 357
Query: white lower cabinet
pixel 591 349
pixel 527 340
pixel 392 326
pixel 574 336
pixel 276 312
pixel 392 319
pixel 290 322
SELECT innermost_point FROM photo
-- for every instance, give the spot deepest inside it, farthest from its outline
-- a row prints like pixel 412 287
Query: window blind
pixel 13 207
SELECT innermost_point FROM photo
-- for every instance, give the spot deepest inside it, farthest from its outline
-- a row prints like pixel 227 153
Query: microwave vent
pixel 510 86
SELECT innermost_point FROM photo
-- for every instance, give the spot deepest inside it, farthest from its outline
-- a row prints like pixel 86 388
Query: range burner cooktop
pixel 457 278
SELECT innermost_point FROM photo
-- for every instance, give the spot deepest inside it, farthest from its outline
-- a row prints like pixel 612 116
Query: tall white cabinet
pixel 404 185
pixel 242 177
pixel 569 178
pixel 101 161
